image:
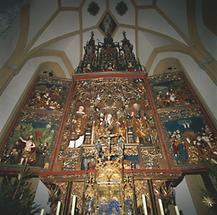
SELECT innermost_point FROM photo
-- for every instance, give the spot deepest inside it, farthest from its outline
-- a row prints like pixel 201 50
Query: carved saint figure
pixel 128 205
pixel 89 205
pixel 28 153
pixel 80 121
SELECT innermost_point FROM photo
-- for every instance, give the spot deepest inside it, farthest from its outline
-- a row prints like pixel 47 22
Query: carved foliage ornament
pixel 121 8
pixel 93 8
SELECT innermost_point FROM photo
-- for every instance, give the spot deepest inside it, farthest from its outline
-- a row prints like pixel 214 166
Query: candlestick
pixel 144 205
pixel 73 205
pixel 42 212
pixel 177 210
pixel 161 206
pixel 58 208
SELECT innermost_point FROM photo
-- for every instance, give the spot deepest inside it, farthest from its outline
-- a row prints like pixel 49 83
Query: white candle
pixel 188 140
pixel 42 212
pixel 58 208
pixel 127 136
pixel 161 206
pixel 92 135
pixel 177 210
pixel 73 205
pixel 144 205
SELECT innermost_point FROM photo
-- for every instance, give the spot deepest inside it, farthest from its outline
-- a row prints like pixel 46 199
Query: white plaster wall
pixel 61 44
pixel 70 3
pixel 209 39
pixel 199 77
pixel 151 19
pixel 155 40
pixel 90 20
pixel 145 48
pixel 17 85
pixel 42 197
pixel 71 46
pixel 143 2
pixel 40 12
pixel 64 22
pixel 73 51
pixel 176 11
pixel 8 41
pixel 184 200
pixel 129 17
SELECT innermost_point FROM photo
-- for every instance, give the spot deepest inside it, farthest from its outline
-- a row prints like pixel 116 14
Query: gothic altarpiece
pixel 112 134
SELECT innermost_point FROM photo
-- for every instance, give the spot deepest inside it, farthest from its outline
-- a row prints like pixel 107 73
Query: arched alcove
pixel 167 65
pixel 51 69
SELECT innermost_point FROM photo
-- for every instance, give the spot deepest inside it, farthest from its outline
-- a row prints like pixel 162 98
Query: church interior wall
pixel 207 37
pixel 167 6
pixel 46 12
pixel 74 47
pixel 67 21
pixel 144 52
pixel 184 198
pixel 8 41
pixel 152 20
pixel 196 187
pixel 209 15
pixel 69 46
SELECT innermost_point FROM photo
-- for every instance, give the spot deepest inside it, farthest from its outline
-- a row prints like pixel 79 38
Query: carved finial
pixel 124 34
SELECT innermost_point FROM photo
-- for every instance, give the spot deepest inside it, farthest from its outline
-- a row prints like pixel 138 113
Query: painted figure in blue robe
pixel 113 208
pixel 182 153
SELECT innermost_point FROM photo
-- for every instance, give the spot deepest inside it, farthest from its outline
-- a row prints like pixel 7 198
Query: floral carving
pixel 93 8
pixel 121 8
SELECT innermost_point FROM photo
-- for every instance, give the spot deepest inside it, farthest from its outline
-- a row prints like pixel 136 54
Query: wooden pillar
pixel 67 201
pixel 134 196
pixel 152 197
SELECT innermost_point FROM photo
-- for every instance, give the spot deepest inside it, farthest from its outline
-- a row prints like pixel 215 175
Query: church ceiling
pixel 64 19
pixel 151 25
